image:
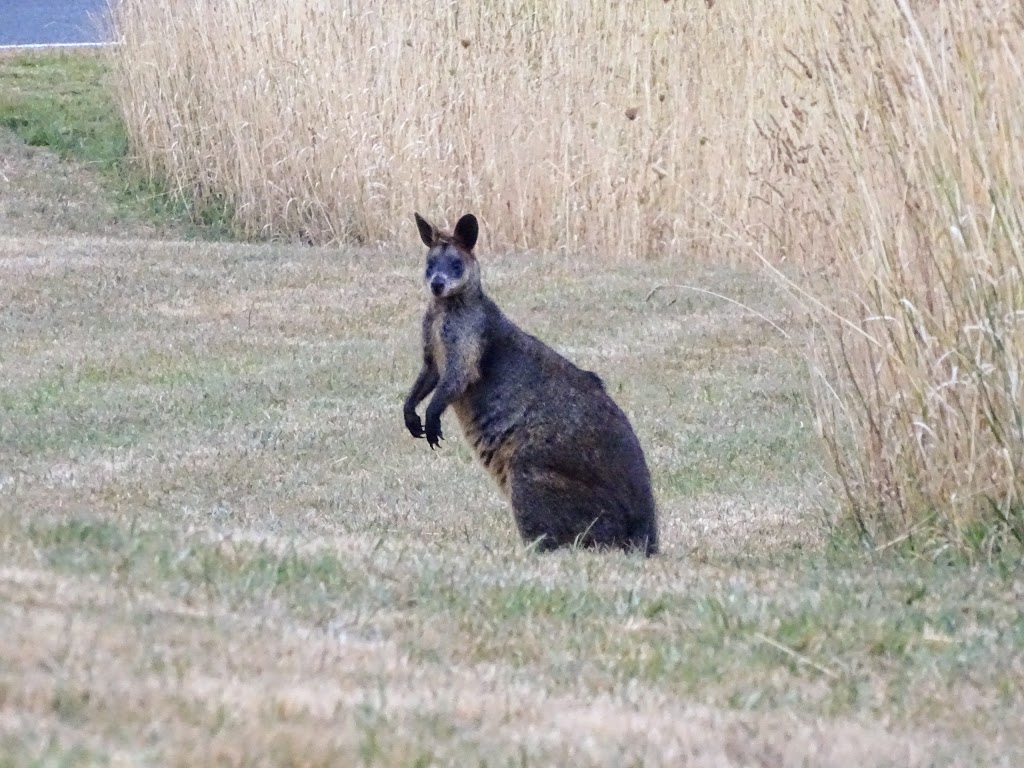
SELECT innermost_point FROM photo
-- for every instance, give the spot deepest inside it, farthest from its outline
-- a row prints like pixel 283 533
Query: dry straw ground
pixel 219 547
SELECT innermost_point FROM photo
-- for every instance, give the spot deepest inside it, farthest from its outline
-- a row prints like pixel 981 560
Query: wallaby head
pixel 452 269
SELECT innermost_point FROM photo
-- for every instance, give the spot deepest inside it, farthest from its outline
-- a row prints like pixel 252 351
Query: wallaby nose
pixel 436 286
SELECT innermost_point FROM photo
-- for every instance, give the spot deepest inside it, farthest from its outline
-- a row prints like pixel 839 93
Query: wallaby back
pixel 547 431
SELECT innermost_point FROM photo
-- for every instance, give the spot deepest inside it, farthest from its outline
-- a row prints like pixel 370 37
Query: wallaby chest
pixel 457 340
pixel 434 338
pixel 454 337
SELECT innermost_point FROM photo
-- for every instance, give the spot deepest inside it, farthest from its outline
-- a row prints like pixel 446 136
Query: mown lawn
pixel 218 545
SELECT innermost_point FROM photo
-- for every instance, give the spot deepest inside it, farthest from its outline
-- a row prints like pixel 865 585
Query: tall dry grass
pixel 921 396
pixel 878 144
pixel 625 128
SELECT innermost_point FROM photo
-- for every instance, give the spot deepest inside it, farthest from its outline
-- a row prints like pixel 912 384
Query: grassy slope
pixel 217 544
pixel 61 103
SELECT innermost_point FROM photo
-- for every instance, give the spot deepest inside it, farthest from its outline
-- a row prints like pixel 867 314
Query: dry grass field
pixel 875 144
pixel 789 238
pixel 218 545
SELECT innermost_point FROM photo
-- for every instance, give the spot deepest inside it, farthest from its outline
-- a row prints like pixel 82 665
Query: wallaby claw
pixel 433 422
pixel 434 436
pixel 414 425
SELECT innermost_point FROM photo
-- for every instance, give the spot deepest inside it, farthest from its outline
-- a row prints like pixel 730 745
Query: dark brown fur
pixel 548 432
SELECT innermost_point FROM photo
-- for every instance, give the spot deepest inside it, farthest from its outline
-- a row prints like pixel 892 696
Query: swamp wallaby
pixel 557 444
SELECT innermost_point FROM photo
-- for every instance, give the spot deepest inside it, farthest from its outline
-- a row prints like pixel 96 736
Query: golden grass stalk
pixel 624 129
pixel 921 399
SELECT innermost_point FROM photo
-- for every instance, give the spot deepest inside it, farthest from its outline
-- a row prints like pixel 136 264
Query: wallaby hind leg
pixel 560 511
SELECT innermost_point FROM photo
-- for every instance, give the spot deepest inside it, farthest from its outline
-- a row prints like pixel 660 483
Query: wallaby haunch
pixel 548 432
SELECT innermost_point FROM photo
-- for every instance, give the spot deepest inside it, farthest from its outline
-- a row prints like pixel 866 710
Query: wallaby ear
pixel 428 233
pixel 466 231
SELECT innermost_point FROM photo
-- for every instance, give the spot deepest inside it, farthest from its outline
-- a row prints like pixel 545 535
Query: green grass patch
pixel 64 102
pixel 61 102
pixel 85 408
pixel 47 753
pixel 238 573
pixel 207 492
pixel 821 639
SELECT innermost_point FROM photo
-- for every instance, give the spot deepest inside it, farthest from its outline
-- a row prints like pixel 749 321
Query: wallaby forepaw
pixel 413 424
pixel 434 435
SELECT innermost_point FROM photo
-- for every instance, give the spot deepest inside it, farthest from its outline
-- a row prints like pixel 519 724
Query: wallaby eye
pixel 456 269
pixel 431 263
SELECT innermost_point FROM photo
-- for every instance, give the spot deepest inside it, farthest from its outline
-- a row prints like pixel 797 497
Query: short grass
pixel 63 103
pixel 219 546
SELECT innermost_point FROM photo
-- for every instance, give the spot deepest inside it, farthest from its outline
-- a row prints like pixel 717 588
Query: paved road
pixel 48 22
